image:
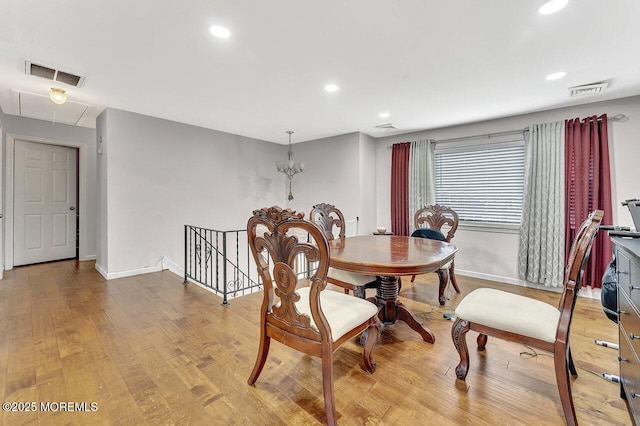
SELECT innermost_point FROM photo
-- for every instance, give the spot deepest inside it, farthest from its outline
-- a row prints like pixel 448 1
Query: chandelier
pixel 290 168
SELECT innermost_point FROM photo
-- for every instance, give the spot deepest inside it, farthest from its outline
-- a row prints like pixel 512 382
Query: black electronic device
pixel 625 232
pixel 628 234
pixel 634 209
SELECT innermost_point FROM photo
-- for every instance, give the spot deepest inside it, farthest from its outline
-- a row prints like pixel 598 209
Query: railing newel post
pixel 186 233
pixel 225 302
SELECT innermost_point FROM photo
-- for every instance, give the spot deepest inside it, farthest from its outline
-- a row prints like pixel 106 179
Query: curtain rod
pixel 488 135
pixel 617 117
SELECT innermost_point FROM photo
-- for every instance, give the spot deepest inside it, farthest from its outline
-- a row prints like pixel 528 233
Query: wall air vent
pixel 588 89
pixel 388 126
pixel 53 74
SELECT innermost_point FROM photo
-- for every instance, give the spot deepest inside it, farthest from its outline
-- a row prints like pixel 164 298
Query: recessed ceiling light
pixel 220 31
pixel 384 115
pixel 556 75
pixel 331 88
pixel 552 6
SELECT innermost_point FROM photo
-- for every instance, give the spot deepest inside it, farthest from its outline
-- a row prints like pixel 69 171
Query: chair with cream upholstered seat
pixel 529 321
pixel 309 318
pixel 327 216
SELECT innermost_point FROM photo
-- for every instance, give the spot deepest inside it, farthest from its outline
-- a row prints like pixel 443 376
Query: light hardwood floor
pixel 148 350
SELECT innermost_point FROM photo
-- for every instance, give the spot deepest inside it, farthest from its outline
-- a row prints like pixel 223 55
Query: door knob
pixel 72 208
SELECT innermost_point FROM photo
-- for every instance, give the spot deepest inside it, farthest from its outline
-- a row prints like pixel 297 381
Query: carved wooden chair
pixel 305 318
pixel 432 222
pixel 529 321
pixel 327 216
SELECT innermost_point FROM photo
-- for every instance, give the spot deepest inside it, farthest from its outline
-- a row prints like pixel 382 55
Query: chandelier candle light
pixel 290 168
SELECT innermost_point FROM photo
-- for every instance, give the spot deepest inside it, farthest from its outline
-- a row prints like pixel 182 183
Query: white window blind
pixel 482 179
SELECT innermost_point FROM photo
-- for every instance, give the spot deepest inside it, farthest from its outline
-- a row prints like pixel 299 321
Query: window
pixel 482 179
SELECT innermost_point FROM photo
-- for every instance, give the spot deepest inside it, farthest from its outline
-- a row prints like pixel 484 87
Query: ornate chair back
pixel 326 216
pixel 435 216
pixel 298 312
pixel 432 222
pixel 276 254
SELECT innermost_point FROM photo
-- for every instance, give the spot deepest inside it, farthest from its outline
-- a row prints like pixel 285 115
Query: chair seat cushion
pixel 350 277
pixel 510 312
pixel 343 312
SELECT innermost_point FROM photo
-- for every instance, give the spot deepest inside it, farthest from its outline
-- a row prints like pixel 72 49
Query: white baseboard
pixel 129 273
pixel 172 266
pixel 164 263
pixel 588 292
pixel 88 257
pixel 489 277
pixel 101 270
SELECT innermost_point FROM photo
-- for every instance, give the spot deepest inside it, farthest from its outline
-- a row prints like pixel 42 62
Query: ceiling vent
pixel 388 126
pixel 53 74
pixel 588 89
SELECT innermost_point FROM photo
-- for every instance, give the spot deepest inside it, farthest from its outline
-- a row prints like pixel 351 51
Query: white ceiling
pixel 429 63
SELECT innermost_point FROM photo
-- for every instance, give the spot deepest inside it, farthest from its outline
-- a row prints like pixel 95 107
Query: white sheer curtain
pixel 421 177
pixel 541 250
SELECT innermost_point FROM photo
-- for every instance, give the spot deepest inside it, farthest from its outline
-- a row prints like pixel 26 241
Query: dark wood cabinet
pixel 628 278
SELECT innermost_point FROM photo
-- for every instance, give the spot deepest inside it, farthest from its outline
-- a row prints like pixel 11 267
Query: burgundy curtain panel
pixel 588 187
pixel 400 188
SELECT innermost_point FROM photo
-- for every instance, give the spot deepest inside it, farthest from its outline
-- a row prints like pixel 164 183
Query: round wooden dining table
pixel 388 257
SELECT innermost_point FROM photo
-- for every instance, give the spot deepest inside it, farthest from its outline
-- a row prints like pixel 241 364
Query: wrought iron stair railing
pixel 221 262
pixel 218 260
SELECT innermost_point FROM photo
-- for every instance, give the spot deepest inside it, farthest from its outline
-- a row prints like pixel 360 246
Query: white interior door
pixel 45 188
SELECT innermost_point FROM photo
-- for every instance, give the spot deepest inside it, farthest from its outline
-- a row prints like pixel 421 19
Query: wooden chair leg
pixel 443 279
pixel 458 334
pixel 372 338
pixel 482 342
pixel 263 351
pixel 327 388
pixel 452 276
pixel 564 386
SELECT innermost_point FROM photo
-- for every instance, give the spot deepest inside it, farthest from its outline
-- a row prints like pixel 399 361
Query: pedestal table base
pixel 391 309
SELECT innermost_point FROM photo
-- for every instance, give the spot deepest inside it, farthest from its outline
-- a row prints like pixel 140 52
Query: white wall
pixel 367 192
pixel 339 170
pixel 161 175
pixel 154 176
pixel 102 155
pixel 493 255
pixel 331 175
